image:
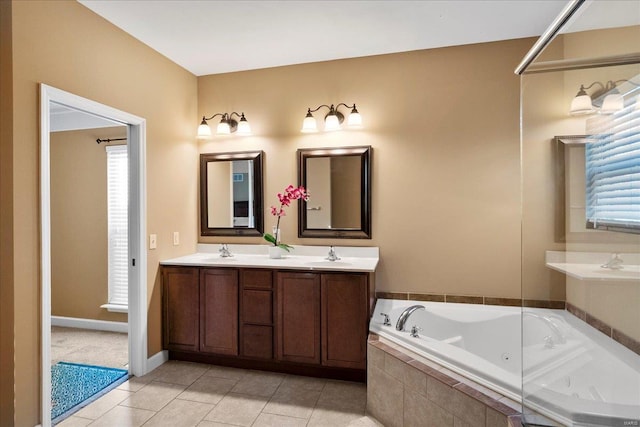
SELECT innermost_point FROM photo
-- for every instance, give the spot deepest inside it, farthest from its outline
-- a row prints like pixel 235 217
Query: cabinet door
pixel 298 317
pixel 180 308
pixel 344 320
pixel 219 311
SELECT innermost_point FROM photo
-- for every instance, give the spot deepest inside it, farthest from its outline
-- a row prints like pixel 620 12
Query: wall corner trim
pixel 96 325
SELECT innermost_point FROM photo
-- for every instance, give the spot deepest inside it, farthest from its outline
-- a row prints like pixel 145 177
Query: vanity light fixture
pixel 583 103
pixel 227 125
pixel 333 119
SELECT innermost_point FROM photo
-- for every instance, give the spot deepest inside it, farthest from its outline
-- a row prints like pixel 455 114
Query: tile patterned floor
pixel 181 394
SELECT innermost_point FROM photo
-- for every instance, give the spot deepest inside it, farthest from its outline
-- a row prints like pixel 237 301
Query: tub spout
pixel 405 316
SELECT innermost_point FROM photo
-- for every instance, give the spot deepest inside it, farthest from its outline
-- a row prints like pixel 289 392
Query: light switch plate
pixel 176 238
pixel 153 241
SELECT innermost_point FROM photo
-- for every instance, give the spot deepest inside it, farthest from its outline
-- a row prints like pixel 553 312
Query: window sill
pixel 116 308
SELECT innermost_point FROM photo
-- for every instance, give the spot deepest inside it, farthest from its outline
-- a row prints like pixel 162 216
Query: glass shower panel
pixel 581 224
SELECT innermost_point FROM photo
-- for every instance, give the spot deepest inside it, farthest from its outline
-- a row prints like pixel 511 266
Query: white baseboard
pixel 156 360
pixel 96 325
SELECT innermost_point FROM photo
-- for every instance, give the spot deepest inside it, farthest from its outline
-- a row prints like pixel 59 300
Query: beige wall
pixel 65 45
pixel 6 219
pixel 443 124
pixel 79 235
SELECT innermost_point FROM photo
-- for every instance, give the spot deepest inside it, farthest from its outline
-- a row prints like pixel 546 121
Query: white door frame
pixel 137 318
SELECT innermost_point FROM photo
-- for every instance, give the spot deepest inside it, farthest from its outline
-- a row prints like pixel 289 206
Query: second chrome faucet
pixel 405 316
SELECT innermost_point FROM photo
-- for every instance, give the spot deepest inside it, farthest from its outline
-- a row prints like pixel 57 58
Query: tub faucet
pixel 614 263
pixel 224 251
pixel 332 255
pixel 414 331
pixel 386 321
pixel 405 316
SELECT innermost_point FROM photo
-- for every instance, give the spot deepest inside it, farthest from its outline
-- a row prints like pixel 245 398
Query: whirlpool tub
pixel 567 371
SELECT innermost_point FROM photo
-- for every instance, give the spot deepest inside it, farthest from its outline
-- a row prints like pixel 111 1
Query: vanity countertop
pixel 352 259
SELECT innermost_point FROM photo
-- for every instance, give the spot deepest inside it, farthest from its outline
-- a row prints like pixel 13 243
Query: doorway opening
pixel 133 128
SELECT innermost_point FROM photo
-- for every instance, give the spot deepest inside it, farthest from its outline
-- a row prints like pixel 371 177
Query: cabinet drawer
pixel 256 279
pixel 257 307
pixel 257 341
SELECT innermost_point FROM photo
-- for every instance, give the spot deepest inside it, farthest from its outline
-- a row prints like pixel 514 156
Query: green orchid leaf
pixel 285 247
pixel 269 238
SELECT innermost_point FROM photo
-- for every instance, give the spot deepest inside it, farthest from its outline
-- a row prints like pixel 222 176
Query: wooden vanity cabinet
pixel 180 306
pixel 219 311
pixel 256 313
pixel 345 319
pixel 298 317
pixel 322 318
pixel 200 309
pixel 308 323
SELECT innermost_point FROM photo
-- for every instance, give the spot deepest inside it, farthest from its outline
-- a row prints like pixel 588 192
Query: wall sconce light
pixel 227 125
pixel 333 119
pixel 584 103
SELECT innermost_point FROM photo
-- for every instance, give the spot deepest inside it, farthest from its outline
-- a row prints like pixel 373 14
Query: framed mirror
pixel 231 194
pixel 339 182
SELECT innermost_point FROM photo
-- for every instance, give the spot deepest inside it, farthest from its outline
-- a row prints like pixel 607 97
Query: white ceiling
pixel 211 37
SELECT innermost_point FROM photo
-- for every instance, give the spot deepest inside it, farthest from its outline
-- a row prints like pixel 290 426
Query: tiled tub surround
pixel 472 299
pixel 403 391
pixel 572 372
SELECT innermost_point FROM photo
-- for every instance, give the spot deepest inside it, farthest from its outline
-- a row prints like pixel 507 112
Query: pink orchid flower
pixel 290 193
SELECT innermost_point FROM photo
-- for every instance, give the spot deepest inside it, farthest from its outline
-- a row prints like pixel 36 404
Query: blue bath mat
pixel 74 385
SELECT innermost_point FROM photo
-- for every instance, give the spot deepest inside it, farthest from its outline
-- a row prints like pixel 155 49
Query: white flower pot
pixel 275 252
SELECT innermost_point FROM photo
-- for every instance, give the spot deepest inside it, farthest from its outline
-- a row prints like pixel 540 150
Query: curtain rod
pixel 110 140
pixel 550 33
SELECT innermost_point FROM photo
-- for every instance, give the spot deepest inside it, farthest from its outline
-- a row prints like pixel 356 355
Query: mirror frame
pixel 364 232
pixel 257 157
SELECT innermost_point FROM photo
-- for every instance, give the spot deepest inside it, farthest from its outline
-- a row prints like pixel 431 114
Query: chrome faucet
pixel 405 316
pixel 386 321
pixel 414 331
pixel 614 263
pixel 224 251
pixel 332 255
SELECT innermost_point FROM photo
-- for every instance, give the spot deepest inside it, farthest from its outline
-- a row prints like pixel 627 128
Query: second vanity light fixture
pixel 227 125
pixel 333 119
pixel 613 102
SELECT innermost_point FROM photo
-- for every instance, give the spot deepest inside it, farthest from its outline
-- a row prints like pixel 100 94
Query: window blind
pixel 117 207
pixel 613 173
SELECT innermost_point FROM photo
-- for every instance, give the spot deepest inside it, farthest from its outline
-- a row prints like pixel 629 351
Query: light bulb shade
pixel 309 124
pixel 223 128
pixel 354 120
pixel 612 103
pixel 331 123
pixel 581 104
pixel 204 131
pixel 243 127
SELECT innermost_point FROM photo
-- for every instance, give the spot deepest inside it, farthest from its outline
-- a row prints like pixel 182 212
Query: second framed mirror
pixel 339 181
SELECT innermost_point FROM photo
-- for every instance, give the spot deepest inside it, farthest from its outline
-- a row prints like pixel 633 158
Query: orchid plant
pixel 290 193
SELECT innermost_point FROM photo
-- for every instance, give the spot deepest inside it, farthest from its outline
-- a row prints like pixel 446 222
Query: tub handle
pixel 387 321
pixel 414 331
